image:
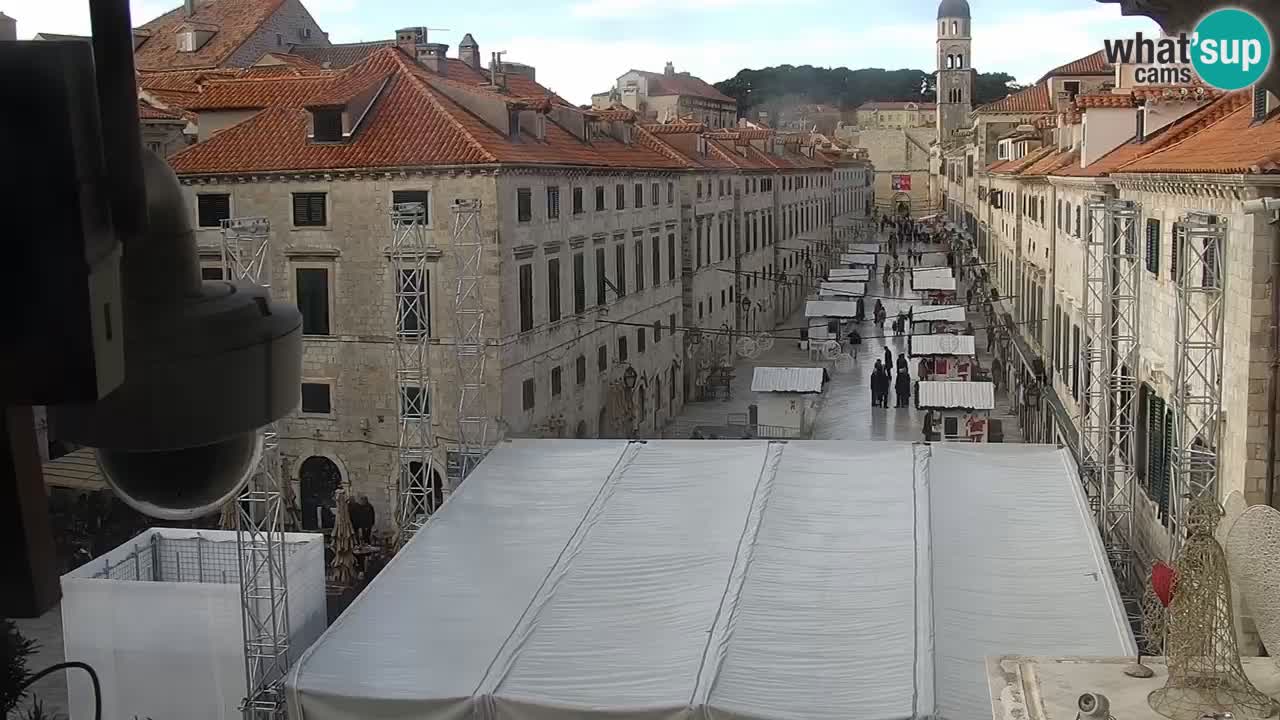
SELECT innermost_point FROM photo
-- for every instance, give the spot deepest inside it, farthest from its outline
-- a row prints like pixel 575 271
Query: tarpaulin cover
pixel 723 579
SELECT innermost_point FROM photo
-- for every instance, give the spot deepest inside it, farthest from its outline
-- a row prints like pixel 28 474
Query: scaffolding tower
pixel 264 598
pixel 1197 392
pixel 414 483
pixel 470 351
pixel 1110 361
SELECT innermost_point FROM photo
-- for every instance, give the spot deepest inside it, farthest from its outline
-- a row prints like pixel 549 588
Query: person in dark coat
pixel 362 519
pixel 927 426
pixel 888 362
pixel 877 378
pixel 860 314
pixel 903 367
pixel 855 340
pixel 903 386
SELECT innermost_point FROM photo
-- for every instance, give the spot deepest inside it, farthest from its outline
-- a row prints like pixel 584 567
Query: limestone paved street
pixel 846 412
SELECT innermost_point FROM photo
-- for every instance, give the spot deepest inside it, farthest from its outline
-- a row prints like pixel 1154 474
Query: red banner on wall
pixel 902 183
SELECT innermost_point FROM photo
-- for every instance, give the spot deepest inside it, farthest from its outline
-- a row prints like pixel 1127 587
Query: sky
pixel 580 47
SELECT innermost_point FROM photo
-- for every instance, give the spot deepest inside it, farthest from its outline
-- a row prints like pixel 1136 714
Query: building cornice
pixel 420 172
pixel 1099 183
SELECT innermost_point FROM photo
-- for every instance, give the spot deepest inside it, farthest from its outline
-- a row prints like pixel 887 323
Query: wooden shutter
pixel 1153 246
pixel 1176 237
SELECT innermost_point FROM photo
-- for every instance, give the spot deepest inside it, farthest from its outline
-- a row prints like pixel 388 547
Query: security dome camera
pixel 207 365
pixel 1093 706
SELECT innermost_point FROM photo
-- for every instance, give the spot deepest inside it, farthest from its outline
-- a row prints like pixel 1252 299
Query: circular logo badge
pixel 1231 49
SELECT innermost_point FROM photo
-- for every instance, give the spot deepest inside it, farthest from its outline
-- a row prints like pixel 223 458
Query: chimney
pixel 407 41
pixel 497 78
pixel 670 70
pixel 8 27
pixel 435 56
pixel 189 7
pixel 469 51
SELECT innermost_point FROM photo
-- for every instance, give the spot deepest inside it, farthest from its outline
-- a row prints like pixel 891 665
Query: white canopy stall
pixel 669 579
pixel 864 248
pixel 858 260
pixel 841 289
pixel 948 356
pixel 958 411
pixel 935 319
pixel 849 274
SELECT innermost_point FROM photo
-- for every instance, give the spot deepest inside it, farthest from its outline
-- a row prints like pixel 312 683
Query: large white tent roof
pixel 723 579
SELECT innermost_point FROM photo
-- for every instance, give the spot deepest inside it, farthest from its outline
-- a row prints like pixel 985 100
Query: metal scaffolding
pixel 415 482
pixel 264 597
pixel 1197 392
pixel 467 243
pixel 1110 358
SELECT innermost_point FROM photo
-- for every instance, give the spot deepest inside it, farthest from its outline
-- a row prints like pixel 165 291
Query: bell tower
pixel 955 67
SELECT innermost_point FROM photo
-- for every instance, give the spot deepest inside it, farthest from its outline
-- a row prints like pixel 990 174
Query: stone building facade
pixel 897 115
pixel 670 96
pixel 591 225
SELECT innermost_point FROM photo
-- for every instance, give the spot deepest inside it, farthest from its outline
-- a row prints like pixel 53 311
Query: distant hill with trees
pixel 776 88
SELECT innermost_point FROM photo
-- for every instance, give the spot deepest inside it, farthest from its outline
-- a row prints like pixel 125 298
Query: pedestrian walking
pixel 888 361
pixel 903 387
pixel 991 339
pixel 904 367
pixel 926 428
pixel 886 274
pixel 968 297
pixel 877 376
pixel 860 314
pixel 855 340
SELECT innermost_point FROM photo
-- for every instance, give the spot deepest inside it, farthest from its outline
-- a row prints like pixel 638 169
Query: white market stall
pixel 842 289
pixel 828 320
pixel 159 619
pixel 936 319
pixel 868 248
pixel 858 260
pixel 787 399
pixel 945 356
pixel 956 411
pixel 849 274
pixel 938 283
pixel 615 580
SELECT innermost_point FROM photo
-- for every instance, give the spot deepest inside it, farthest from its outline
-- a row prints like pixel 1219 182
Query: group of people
pixel 887 376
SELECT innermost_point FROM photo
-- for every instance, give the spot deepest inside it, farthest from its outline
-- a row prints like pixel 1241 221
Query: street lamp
pixel 629 378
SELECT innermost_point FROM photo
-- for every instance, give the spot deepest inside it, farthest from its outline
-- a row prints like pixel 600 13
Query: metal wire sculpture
pixel 1205 673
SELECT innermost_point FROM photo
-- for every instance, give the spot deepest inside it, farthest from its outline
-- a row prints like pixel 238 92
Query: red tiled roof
pixel 150 112
pixel 1052 162
pixel 1176 92
pixel 1015 167
pixel 1220 139
pixel 1028 100
pixel 1105 100
pixel 896 105
pixel 681 84
pixel 234 20
pixel 185 81
pixel 410 124
pixel 1092 64
pixel 342 55
pixel 616 114
pixel 675 128
pixel 1193 123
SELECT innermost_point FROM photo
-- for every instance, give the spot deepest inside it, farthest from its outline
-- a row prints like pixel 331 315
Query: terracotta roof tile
pixel 340 56
pixel 410 124
pixel 147 111
pixel 1119 159
pixel 1092 64
pixel 1051 163
pixel 1106 100
pixel 234 20
pixel 1221 139
pixel 186 81
pixel 1015 167
pixel 616 114
pixel 675 128
pixel 1028 100
pixel 1157 93
pixel 681 84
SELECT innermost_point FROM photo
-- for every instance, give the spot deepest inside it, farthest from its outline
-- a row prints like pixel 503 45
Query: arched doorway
pixel 902 204
pixel 581 431
pixel 319 479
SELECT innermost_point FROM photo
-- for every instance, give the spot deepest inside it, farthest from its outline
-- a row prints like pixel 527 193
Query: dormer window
pixel 191 39
pixel 327 125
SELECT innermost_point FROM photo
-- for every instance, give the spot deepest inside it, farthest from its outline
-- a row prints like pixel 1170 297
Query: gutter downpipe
pixel 1259 207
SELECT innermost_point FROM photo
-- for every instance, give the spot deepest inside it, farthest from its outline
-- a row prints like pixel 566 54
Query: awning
pixel 77 470
pixel 954 395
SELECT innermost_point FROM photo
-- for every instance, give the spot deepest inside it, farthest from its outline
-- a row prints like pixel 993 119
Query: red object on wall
pixel 1164 580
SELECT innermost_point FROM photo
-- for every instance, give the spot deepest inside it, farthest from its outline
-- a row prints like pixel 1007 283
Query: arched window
pixel 951 61
pixel 318 481
pixel 960 60
pixel 942 27
pixel 955 28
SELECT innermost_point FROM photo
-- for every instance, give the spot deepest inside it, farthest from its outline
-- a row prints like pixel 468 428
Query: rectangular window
pixel 1077 232
pixel 580 370
pixel 528 393
pixel 309 209
pixel 212 209
pixel 556 379
pixel 602 358
pixel 315 399
pixel 620 197
pixel 671 193
pixel 417 197
pixel 620 272
pixel 526 297
pixel 312 285
pixel 671 323
pixel 671 256
pixel 1153 246
pixel 414 306
pixel 577 201
pixel 600 198
pixel 639 249
pixel 657 330
pixel 655 194
pixel 699 309
pixel 524 205
pixel 1175 247
pixel 657 260
pixel 553 290
pixel 1075 361
pixel 415 402
pixel 640 341
pixel 579 283
pixel 639 195
pixel 1157 485
pixel 622 349
pixel 721 242
pixel 601 287
pixel 210 272
pixel 553 202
